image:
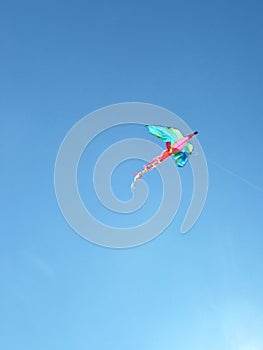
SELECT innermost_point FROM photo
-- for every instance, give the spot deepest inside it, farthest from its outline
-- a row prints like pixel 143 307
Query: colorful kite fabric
pixel 177 146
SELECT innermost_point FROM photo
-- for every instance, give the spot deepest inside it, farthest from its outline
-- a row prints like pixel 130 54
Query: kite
pixel 177 146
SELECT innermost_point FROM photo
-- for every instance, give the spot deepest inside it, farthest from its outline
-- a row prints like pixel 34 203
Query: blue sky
pixel 61 60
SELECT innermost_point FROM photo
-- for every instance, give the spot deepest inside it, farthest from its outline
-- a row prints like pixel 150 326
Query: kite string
pixel 230 172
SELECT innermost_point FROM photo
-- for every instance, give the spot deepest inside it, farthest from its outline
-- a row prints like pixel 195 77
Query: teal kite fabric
pixel 177 146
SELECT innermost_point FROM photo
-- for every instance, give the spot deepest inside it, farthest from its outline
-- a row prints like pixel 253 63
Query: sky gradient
pixel 61 60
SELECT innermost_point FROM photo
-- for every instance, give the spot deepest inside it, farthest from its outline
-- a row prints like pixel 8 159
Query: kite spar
pixel 177 146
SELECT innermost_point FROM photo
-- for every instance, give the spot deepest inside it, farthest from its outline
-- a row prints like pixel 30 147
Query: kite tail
pixel 149 166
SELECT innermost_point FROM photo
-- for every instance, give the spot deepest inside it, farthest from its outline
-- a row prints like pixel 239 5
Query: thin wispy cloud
pixel 41 264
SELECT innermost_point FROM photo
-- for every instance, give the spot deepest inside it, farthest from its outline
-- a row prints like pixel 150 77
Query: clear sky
pixel 61 60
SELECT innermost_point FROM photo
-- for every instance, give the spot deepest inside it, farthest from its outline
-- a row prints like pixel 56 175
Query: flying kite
pixel 177 145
